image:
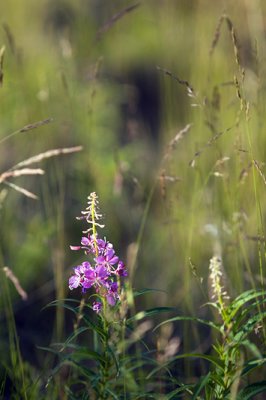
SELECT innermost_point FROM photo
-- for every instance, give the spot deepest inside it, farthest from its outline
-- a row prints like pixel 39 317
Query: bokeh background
pixel 121 79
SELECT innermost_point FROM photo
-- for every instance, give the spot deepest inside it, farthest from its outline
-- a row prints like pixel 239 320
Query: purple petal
pixel 87 283
pixel 121 265
pixel 90 274
pixel 78 270
pixel 114 287
pixel 111 299
pixel 111 258
pixel 114 260
pixel 75 247
pixel 110 253
pixel 101 243
pixel 74 282
pixel 101 271
pixel 100 260
pixel 85 241
pixel 121 271
pixel 109 245
pixel 85 266
pixel 97 306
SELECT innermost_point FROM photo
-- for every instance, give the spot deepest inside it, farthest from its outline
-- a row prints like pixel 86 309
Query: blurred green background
pixel 92 66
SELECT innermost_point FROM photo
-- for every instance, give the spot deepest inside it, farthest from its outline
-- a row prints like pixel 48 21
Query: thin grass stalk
pixel 59 257
pixel 171 146
pixel 14 348
pixel 258 209
pixel 27 128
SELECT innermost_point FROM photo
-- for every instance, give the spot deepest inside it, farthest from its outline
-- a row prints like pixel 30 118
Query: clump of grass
pixel 235 353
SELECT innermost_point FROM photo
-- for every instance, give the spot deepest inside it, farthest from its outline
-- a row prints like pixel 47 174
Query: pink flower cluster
pixel 102 273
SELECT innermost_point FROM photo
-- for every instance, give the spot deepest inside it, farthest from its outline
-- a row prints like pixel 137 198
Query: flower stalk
pixel 104 269
pixel 219 294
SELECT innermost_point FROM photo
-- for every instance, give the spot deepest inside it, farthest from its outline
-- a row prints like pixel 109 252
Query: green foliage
pixel 230 363
pixel 117 363
pixel 108 369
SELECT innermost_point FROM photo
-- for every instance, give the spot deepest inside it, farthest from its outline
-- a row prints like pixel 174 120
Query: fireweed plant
pixel 113 363
pixel 102 272
pixel 105 269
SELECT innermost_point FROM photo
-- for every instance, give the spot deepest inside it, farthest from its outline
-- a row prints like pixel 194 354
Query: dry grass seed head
pixel 115 18
pixel 14 171
pixel 258 168
pixel 216 35
pixel 10 275
pixel 217 279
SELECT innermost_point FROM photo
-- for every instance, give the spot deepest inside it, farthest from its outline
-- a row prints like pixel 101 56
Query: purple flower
pixel 95 277
pixel 108 260
pixel 85 241
pixel 120 270
pixel 106 267
pixel 74 281
pixel 89 244
pixel 97 306
pixel 89 279
pixel 103 245
pixel 84 267
pixel 112 294
pixel 77 279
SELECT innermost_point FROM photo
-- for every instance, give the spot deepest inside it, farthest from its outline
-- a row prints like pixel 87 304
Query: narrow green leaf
pixel 201 384
pixel 114 396
pixel 249 326
pixel 193 319
pixel 95 327
pixel 147 290
pixel 252 348
pixel 180 390
pixel 87 372
pixel 143 396
pixel 116 361
pixel 214 360
pixel 61 303
pixel 84 354
pixel 252 364
pixel 252 390
pixel 247 311
pixel 241 300
pixel 73 336
pixel 48 349
pixel 148 313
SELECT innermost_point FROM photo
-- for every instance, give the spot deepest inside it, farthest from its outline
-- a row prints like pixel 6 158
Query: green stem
pixel 94 231
pixel 105 366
